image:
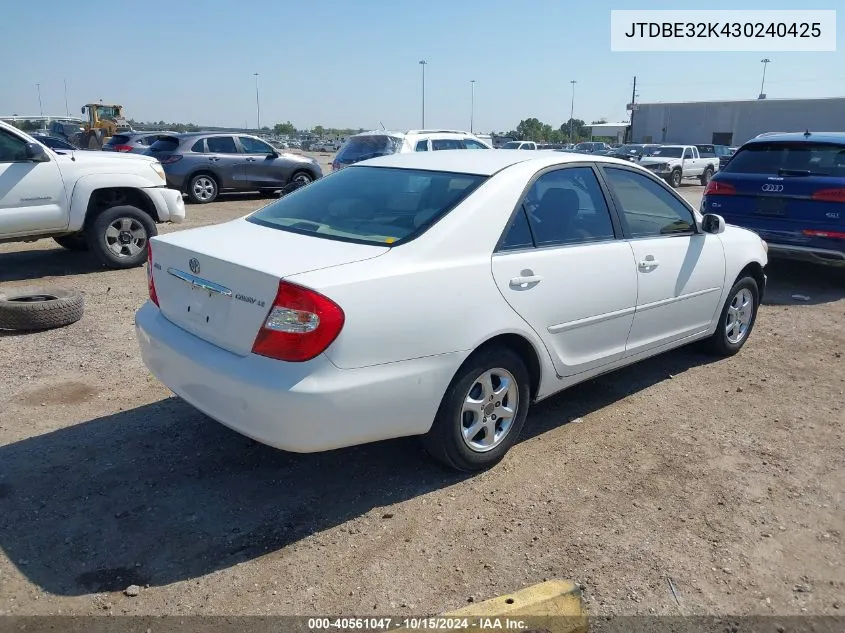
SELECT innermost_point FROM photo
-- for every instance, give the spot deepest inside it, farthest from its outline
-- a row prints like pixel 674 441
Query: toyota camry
pixel 439 294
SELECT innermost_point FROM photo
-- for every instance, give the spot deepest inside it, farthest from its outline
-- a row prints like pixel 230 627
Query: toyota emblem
pixel 194 265
pixel 772 188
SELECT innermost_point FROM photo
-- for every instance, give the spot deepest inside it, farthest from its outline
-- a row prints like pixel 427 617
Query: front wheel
pixel 674 178
pixel 706 176
pixel 118 236
pixel 482 413
pixel 737 319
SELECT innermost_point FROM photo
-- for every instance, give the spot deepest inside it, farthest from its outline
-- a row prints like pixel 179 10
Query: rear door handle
pixel 524 282
pixel 250 160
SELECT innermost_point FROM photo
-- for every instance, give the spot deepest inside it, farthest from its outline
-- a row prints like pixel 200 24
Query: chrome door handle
pixel 649 263
pixel 524 282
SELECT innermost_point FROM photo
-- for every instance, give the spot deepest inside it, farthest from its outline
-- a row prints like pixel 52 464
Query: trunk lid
pixel 219 282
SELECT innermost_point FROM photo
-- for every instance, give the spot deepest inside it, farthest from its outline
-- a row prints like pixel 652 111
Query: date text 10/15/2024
pixel 417 624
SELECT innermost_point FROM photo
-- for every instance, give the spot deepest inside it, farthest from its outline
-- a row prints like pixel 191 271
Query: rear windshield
pixel 166 144
pixel 511 145
pixel 369 205
pixel 668 152
pixel 789 158
pixel 119 139
pixel 363 147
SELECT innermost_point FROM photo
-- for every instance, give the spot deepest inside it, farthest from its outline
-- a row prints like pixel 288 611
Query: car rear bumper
pixel 168 203
pixel 807 253
pixel 300 407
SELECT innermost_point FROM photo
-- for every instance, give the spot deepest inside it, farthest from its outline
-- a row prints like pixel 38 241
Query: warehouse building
pixel 734 122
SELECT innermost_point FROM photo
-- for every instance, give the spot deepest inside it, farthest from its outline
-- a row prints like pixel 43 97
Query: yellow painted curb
pixel 554 606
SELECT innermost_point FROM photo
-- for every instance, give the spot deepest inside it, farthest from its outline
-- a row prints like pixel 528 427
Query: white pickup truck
pixel 674 163
pixel 105 202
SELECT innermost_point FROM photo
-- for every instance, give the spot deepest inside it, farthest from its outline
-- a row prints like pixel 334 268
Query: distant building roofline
pixel 767 100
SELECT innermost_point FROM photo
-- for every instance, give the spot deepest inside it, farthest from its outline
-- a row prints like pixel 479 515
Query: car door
pixel 227 162
pixel 680 270
pixel 263 170
pixel 563 267
pixel 32 194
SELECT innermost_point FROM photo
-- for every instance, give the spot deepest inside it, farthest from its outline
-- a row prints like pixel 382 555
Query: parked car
pixel 203 164
pixel 722 152
pixel 133 142
pixel 592 147
pixel 790 189
pixel 677 162
pixel 311 323
pixel 632 151
pixel 55 143
pixel 381 143
pixel 519 145
pixel 84 200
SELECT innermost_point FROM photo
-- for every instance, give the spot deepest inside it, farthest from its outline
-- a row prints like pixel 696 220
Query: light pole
pixel 572 109
pixel 257 105
pixel 423 63
pixel 40 108
pixel 765 61
pixel 67 110
pixel 472 106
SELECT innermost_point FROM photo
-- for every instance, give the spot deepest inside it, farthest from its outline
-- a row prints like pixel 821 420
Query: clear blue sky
pixel 353 63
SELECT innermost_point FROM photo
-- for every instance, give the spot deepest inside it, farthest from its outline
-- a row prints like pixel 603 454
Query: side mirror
pixel 712 223
pixel 35 153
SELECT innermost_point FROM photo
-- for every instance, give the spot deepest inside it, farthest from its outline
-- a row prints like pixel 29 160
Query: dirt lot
pixel 727 477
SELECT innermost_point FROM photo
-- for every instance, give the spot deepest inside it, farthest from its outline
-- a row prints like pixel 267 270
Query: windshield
pixel 629 149
pixel 668 152
pixel 789 158
pixel 369 205
pixel 107 112
pixel 360 148
pixel 511 145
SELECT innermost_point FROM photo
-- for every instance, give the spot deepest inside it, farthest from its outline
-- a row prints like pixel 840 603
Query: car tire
pixel 674 179
pixel 740 309
pixel 706 176
pixel 450 441
pixel 301 178
pixel 30 309
pixel 203 188
pixel 118 236
pixel 73 242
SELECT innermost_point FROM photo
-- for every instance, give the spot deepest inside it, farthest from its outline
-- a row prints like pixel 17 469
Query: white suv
pixel 381 143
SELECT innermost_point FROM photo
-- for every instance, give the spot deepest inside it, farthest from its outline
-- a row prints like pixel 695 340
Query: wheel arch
pixel 108 197
pixel 524 348
pixel 755 270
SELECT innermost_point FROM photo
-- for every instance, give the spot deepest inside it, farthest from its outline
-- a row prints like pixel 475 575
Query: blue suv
pixel 790 189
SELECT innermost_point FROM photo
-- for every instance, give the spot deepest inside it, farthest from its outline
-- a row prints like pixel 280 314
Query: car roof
pixel 479 162
pixel 812 137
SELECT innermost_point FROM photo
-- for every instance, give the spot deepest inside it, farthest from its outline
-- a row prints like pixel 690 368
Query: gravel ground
pixel 726 477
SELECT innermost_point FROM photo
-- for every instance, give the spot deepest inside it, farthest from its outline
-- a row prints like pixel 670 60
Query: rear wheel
pixel 118 236
pixel 737 319
pixel 482 413
pixel 202 189
pixel 706 176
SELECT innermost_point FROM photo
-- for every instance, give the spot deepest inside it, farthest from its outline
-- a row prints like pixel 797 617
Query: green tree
pixel 599 122
pixel 285 129
pixel 530 129
pixel 578 130
pixel 319 130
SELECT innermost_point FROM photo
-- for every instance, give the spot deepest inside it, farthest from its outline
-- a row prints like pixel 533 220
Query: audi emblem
pixel 772 188
pixel 194 265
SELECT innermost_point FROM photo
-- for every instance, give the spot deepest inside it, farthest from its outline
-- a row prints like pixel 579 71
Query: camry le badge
pixel 772 188
pixel 194 265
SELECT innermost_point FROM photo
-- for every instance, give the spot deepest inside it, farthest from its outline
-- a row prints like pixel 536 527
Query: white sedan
pixel 439 294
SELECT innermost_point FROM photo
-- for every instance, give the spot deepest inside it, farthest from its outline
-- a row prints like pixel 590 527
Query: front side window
pixel 567 206
pixel 254 146
pixel 221 145
pixel 687 153
pixel 12 148
pixel 422 146
pixel 369 205
pixel 647 207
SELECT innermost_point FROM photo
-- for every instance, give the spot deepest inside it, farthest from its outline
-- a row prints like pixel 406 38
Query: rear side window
pixel 221 145
pixel 165 144
pixel 422 146
pixel 471 144
pixel 446 143
pixel 360 148
pixel 370 205
pixel 706 151
pixel 647 207
pixel 796 158
pixel 199 146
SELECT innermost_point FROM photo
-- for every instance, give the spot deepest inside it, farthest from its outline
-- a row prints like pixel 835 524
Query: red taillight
pixel 169 160
pixel 151 284
pixel 716 188
pixel 837 235
pixel 830 195
pixel 302 323
pixel 123 148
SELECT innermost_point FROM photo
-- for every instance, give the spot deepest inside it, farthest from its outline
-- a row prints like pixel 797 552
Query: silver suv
pixel 381 143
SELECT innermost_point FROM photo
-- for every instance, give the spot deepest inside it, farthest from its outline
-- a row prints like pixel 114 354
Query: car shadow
pixel 161 493
pixel 56 262
pixel 801 283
